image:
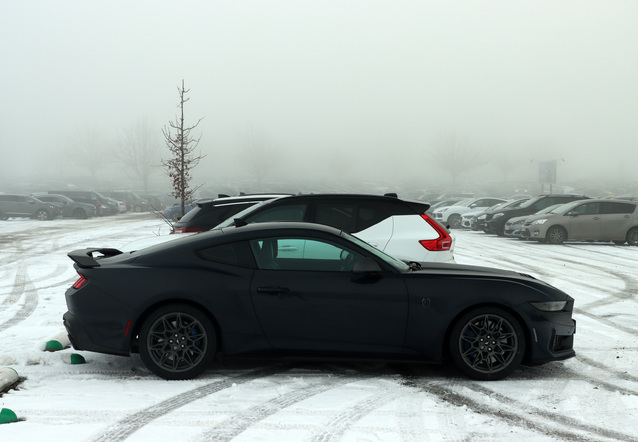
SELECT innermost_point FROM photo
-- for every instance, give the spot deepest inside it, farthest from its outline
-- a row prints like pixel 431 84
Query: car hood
pixel 469 270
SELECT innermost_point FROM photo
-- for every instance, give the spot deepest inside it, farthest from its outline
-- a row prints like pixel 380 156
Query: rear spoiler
pixel 84 257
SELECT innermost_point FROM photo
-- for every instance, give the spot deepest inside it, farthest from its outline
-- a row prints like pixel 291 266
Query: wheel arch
pixel 507 308
pixel 559 226
pixel 164 302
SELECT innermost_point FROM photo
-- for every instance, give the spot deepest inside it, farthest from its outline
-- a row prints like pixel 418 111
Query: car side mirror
pixel 366 265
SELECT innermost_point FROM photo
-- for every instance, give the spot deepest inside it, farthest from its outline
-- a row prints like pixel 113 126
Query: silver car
pixel 586 220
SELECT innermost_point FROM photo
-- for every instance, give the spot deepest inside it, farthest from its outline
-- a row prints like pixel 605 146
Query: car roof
pixel 241 198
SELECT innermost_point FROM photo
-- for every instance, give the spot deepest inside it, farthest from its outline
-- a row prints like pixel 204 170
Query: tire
pixel 79 214
pixel 556 235
pixel 632 237
pixel 454 221
pixel 164 329
pixel 42 215
pixel 487 344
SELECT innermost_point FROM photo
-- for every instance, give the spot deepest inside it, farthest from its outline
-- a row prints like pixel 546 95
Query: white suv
pixel 398 227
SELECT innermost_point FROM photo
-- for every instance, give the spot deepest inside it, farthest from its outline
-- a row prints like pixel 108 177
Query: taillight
pixel 443 242
pixel 187 229
pixel 80 282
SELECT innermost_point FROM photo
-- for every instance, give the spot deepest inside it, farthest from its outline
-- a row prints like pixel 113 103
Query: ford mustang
pixel 305 290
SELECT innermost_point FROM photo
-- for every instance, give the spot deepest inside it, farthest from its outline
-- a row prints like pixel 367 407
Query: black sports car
pixel 307 290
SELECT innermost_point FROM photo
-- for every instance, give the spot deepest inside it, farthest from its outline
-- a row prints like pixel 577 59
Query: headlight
pixel 498 215
pixel 481 217
pixel 550 306
pixel 539 221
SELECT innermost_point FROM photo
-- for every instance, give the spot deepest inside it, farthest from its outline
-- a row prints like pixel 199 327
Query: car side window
pixel 340 216
pixel 236 253
pixel 302 254
pixel 586 209
pixel 608 208
pixel 287 212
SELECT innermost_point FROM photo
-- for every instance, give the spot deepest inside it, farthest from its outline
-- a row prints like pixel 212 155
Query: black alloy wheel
pixel 487 344
pixel 632 237
pixel 454 221
pixel 177 342
pixel 556 235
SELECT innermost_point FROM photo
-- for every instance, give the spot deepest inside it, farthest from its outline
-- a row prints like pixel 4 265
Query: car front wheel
pixel 42 215
pixel 632 237
pixel 79 214
pixel 487 344
pixel 556 235
pixel 177 342
pixel 454 221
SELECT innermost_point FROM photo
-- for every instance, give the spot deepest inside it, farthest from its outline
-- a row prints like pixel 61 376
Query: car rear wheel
pixel 632 237
pixel 487 343
pixel 454 221
pixel 42 215
pixel 79 214
pixel 177 342
pixel 556 235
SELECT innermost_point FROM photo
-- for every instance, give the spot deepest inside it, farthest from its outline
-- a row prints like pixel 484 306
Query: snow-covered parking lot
pixel 591 397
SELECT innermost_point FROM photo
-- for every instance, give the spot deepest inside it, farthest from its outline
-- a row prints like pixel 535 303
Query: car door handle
pixel 273 290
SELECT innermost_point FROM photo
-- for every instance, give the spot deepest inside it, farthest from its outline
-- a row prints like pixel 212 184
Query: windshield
pixel 549 209
pixel 529 202
pixel 397 264
pixel 562 208
pixel 465 202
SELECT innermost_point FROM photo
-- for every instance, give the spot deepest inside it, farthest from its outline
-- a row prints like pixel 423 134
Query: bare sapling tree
pixel 182 147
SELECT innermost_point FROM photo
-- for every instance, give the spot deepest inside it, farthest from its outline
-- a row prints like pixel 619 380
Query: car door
pixel 616 218
pixel 307 299
pixel 584 221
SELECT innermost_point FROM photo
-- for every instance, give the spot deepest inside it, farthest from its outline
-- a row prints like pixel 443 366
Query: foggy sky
pixel 335 87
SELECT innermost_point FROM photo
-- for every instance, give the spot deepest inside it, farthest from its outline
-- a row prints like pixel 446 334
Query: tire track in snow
pixel 528 416
pixel 340 423
pixel 122 429
pixel 23 288
pixel 240 422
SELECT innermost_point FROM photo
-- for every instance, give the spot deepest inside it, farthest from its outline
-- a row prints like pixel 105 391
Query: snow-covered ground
pixel 591 397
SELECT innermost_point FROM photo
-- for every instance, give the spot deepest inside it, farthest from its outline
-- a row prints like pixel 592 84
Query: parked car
pixel 120 205
pixel 495 221
pixel 209 212
pixel 586 220
pixel 480 223
pixel 307 290
pixel 452 214
pixel 514 226
pixel 16 205
pixel 442 203
pixel 100 202
pixel 174 213
pixel 70 208
pixel 155 203
pixel 399 227
pixel 469 219
pixel 132 201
